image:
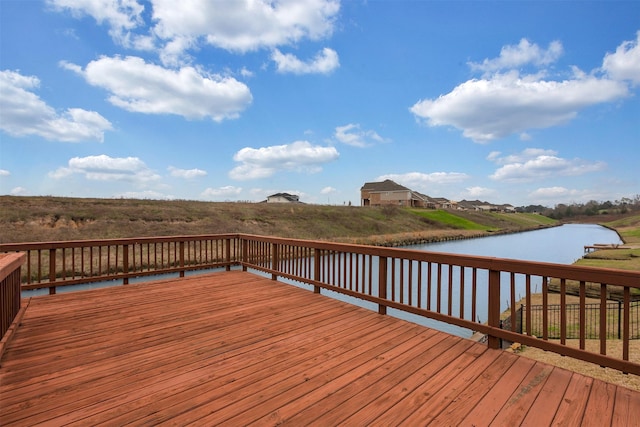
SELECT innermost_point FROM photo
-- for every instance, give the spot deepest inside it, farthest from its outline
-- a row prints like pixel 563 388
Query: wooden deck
pixel 235 348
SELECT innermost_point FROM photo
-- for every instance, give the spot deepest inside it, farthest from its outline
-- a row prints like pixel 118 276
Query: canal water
pixel 562 245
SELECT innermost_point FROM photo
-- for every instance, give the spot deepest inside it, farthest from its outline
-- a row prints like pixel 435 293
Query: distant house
pixel 283 198
pixel 475 205
pixel 429 202
pixel 442 203
pixel 388 192
pixel 507 208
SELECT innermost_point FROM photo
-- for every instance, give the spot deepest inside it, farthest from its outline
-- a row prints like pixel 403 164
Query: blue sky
pixel 510 102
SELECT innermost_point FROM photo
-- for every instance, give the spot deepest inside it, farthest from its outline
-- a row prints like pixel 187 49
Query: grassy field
pixel 628 258
pixel 28 219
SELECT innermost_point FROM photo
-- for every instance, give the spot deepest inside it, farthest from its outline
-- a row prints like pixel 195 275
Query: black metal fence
pixel 614 314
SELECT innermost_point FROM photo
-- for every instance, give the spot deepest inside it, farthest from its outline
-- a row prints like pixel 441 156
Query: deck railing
pixel 9 291
pixel 54 264
pixel 471 292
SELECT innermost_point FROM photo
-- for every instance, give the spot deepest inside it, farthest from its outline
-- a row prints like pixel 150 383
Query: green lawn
pixel 449 219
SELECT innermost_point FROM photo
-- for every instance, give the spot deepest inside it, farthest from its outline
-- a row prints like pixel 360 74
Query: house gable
pixel 283 198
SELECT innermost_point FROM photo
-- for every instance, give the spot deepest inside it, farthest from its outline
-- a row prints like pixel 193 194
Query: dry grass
pixel 29 219
pixel 590 369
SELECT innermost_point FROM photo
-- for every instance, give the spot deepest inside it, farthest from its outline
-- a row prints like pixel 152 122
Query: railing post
pixel 52 270
pixel 245 252
pixel 182 258
pixel 125 263
pixel 274 260
pixel 382 283
pixel 228 254
pixel 494 307
pixel 316 269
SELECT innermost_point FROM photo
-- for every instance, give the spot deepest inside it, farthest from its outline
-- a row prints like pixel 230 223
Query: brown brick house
pixel 388 192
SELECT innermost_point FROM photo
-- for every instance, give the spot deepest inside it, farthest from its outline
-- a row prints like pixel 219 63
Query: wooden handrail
pixel 65 263
pixel 418 282
pixel 9 289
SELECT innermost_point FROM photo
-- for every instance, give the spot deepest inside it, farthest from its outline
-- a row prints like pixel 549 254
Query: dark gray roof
pixel 386 185
pixel 290 197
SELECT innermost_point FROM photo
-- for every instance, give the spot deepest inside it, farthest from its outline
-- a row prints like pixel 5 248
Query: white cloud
pixel 423 181
pixel 186 173
pixel 119 15
pixel 147 88
pixel 4 172
pixel 221 192
pixel 24 113
pixel 478 192
pixel 506 101
pixel 504 104
pixel 535 164
pixel 176 27
pixel 323 63
pixel 351 134
pixel 522 54
pixel 244 72
pixel 624 64
pixel 244 25
pixel 328 190
pixel 551 193
pixel 526 155
pixel 19 191
pixel 298 156
pixel 555 195
pixel 105 168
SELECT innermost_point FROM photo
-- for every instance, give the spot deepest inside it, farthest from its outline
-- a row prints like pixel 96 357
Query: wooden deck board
pixel 235 348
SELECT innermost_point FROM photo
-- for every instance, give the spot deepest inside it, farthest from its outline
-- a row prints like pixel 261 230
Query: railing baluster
pixel 439 289
pixel 583 321
pixel 545 309
pixel 450 291
pixel 474 294
pixel 461 279
pixel 563 311
pixel 428 307
pixel 626 335
pixel 603 318
pixel 370 258
pixel 528 302
pixel 419 296
pixel 512 303
pixel 409 282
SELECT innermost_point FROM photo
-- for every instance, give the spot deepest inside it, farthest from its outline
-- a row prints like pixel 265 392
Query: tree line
pixel 562 211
